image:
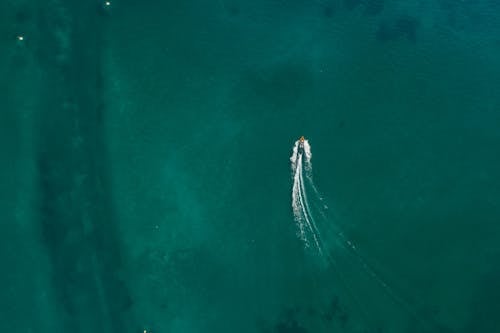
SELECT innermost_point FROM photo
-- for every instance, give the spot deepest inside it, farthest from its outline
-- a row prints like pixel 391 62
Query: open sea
pixel 152 179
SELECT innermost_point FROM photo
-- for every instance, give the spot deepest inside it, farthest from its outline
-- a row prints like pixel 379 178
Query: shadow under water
pixel 75 210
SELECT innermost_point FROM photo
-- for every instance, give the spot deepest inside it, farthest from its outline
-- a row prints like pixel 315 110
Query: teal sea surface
pixel 152 179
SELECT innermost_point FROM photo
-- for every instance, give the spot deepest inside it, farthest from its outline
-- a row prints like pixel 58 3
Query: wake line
pixel 307 211
pixel 308 229
pixel 302 212
pixel 298 210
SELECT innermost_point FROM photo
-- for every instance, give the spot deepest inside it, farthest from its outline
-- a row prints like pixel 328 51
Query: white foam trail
pixel 301 210
pixel 307 152
pixel 308 169
pixel 304 217
pixel 297 205
pixel 293 158
pixel 307 212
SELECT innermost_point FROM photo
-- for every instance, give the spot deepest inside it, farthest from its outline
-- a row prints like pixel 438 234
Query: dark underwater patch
pixel 23 15
pixel 328 11
pixel 234 10
pixel 351 4
pixel 231 9
pixel 290 326
pixel 485 304
pixel 281 85
pixel 404 27
pixel 374 7
pixel 370 7
pixel 335 312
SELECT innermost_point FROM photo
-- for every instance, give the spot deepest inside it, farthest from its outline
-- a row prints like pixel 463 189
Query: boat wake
pixel 301 165
pixel 318 232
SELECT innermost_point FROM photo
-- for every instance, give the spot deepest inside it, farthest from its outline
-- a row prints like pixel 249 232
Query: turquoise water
pixel 146 181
